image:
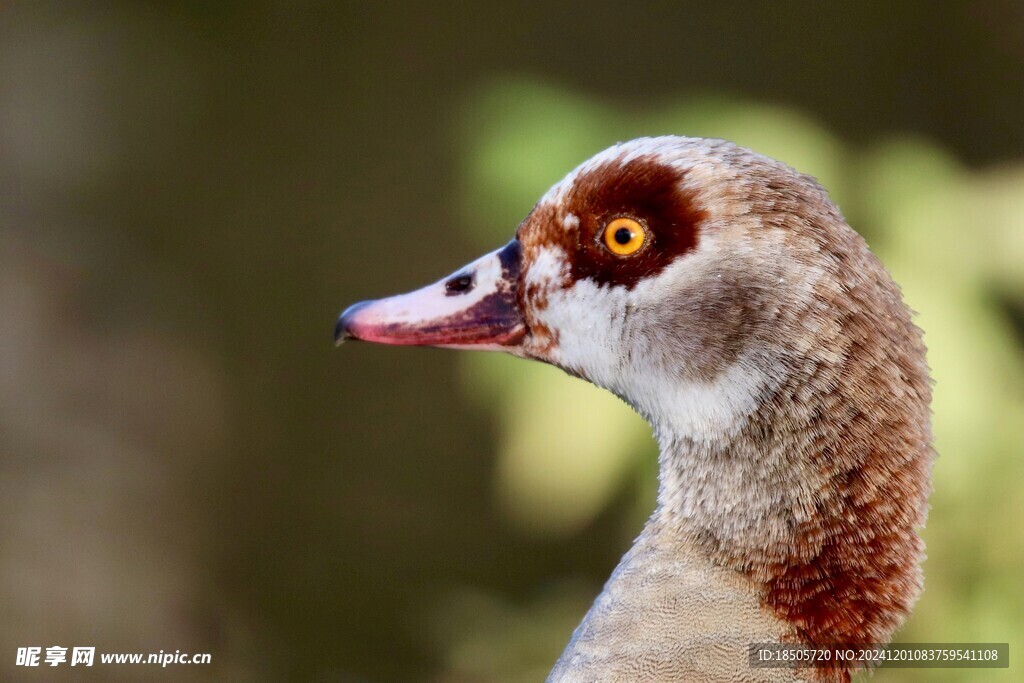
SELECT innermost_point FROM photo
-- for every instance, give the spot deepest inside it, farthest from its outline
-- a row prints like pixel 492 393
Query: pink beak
pixel 474 308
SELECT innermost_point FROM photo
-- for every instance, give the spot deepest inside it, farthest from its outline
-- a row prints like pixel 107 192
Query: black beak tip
pixel 341 333
pixel 343 328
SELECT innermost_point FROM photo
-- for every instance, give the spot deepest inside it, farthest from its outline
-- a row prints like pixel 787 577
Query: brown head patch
pixel 641 188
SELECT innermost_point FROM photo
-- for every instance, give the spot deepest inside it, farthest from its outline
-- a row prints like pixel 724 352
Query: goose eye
pixel 624 236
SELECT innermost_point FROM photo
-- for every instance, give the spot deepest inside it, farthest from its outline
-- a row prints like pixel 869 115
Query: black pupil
pixel 623 235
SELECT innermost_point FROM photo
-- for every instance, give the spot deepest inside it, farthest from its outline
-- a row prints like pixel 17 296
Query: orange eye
pixel 624 236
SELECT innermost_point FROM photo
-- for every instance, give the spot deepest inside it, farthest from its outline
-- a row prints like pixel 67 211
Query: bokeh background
pixel 190 192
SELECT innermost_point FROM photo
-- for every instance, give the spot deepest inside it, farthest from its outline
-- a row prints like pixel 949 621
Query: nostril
pixel 459 284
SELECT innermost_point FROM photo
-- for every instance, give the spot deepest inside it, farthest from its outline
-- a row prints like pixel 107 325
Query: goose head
pixel 722 295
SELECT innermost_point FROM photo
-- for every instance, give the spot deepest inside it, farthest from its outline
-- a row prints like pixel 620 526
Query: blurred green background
pixel 189 193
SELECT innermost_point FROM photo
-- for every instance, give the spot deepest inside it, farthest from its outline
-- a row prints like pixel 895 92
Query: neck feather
pixel 817 496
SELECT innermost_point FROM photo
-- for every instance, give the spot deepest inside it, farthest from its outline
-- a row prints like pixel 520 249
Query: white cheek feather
pixel 593 330
pixel 571 221
pixel 702 411
pixel 548 269
pixel 589 329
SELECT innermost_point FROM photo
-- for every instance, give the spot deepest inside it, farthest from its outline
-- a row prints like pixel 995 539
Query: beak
pixel 474 308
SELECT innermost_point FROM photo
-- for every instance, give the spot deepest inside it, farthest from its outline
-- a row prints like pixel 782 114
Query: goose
pixel 722 295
